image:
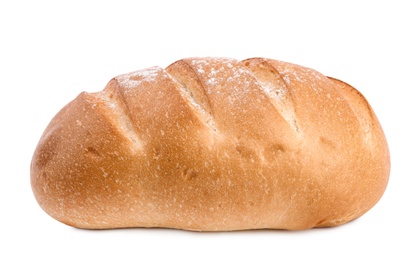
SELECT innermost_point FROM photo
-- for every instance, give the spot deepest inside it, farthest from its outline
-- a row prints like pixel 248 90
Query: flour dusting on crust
pixel 134 79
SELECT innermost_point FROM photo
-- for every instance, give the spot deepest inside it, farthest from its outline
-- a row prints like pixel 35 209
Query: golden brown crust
pixel 213 144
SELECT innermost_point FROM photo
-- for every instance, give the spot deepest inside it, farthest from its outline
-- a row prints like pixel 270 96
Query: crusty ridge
pixel 120 113
pixel 190 85
pixel 276 87
pixel 357 103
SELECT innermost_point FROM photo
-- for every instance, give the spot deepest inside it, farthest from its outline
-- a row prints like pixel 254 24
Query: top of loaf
pixel 204 82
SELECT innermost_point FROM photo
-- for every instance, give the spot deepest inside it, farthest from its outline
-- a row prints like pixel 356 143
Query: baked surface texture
pixel 213 144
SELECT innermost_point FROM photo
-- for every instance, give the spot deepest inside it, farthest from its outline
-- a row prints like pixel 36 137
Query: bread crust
pixel 213 144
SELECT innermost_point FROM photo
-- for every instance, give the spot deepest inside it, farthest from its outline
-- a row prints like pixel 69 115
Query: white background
pixel 50 51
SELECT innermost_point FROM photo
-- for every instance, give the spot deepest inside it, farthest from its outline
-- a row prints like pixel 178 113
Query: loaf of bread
pixel 213 144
